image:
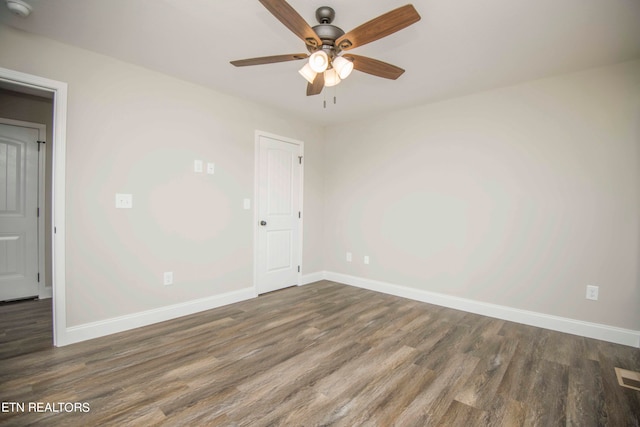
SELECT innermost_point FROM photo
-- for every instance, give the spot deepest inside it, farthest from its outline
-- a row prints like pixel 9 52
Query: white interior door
pixel 18 211
pixel 278 213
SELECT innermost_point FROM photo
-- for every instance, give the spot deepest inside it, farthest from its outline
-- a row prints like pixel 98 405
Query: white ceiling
pixel 459 46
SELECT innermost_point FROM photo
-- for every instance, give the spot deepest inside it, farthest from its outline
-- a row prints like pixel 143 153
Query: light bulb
pixel 308 73
pixel 331 78
pixel 342 66
pixel 319 61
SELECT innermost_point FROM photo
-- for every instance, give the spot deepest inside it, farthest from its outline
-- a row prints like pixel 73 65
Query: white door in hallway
pixel 278 209
pixel 18 210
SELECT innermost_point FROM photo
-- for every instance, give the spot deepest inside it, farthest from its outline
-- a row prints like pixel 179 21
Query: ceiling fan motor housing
pixel 326 32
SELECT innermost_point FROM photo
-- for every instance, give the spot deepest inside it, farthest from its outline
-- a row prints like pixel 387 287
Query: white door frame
pixel 42 158
pixel 59 92
pixel 256 210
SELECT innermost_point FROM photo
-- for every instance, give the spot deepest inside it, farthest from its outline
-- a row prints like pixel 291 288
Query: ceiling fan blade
pixel 374 66
pixel 379 27
pixel 317 86
pixel 269 59
pixel 292 20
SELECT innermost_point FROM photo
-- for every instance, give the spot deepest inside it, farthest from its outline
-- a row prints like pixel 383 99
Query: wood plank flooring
pixel 323 354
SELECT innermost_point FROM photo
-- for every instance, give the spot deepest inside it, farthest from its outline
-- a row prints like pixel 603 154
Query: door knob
pixel 263 223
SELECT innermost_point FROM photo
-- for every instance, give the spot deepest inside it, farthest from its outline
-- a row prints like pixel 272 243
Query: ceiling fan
pixel 328 62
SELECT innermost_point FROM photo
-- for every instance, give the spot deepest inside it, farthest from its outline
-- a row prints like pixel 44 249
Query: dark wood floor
pixel 323 354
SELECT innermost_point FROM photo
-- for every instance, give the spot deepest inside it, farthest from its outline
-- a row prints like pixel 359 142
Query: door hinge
pixel 38 277
pixel 40 142
pixel 298 269
pixel 300 159
pixel 299 214
pixel 38 212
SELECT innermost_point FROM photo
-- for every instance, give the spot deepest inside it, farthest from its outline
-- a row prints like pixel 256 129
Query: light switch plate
pixel 211 168
pixel 197 166
pixel 124 201
pixel 167 278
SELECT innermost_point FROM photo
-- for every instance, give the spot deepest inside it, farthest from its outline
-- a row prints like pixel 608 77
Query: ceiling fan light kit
pixel 327 65
pixel 319 61
pixel 308 73
pixel 343 66
pixel 331 78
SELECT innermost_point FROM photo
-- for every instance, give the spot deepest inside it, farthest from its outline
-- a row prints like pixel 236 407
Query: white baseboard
pixel 114 325
pixel 577 327
pixel 45 292
pixel 561 324
pixel 311 278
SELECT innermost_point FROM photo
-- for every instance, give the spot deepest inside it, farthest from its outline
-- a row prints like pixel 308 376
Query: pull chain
pixel 324 101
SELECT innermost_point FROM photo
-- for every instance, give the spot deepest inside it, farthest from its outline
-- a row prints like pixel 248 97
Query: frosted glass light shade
pixel 319 61
pixel 343 66
pixel 307 73
pixel 331 78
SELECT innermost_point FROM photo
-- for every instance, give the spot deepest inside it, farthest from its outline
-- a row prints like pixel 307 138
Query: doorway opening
pixel 55 91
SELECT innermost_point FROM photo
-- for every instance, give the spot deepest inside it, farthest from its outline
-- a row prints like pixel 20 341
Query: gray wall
pixel 132 130
pixel 520 196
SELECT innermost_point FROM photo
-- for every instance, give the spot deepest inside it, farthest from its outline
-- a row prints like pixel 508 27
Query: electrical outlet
pixel 168 278
pixel 592 293
pixel 211 168
pixel 349 257
pixel 124 201
pixel 366 259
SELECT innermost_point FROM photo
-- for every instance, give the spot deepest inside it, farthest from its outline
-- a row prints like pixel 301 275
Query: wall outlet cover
pixel 124 201
pixel 592 292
